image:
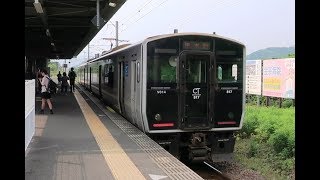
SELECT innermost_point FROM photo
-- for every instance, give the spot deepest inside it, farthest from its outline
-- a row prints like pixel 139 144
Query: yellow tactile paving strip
pixel 119 163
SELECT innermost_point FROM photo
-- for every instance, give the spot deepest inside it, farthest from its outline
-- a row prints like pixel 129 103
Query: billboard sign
pixel 279 78
pixel 253 77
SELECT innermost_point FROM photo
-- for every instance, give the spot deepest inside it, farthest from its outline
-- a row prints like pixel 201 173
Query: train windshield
pixel 162 62
pixel 228 72
pixel 162 69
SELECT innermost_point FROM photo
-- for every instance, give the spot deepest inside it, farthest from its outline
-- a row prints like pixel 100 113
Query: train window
pixel 196 69
pixel 161 61
pixel 108 75
pixel 106 69
pixel 162 69
pixel 228 72
pixel 234 71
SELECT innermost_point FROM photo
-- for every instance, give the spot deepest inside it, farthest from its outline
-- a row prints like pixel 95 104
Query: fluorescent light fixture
pixel 38 6
pixel 112 4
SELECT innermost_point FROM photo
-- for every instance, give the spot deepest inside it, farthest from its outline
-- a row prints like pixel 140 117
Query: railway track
pixel 208 171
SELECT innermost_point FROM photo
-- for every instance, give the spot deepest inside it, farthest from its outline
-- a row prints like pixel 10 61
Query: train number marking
pixel 229 91
pixel 196 93
pixel 161 92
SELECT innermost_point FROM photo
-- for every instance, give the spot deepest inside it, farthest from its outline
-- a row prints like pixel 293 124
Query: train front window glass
pixel 162 68
pixel 106 69
pixel 228 72
pixel 196 69
pixel 234 71
pixel 162 58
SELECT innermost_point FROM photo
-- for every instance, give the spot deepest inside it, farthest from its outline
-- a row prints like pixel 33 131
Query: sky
pixel 258 24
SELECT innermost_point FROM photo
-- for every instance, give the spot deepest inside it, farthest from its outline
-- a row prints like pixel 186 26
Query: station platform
pixel 83 139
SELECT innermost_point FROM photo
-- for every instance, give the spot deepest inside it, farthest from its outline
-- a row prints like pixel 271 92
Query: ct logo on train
pixel 196 93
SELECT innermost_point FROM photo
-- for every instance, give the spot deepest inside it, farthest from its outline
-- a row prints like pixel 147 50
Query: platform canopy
pixel 60 29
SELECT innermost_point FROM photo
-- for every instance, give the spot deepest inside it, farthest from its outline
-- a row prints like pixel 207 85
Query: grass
pixel 266 142
pixel 263 160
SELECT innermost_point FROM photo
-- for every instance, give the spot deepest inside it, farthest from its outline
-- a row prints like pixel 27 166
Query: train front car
pixel 195 94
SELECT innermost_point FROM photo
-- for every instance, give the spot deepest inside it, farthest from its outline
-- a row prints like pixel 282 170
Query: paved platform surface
pixel 84 140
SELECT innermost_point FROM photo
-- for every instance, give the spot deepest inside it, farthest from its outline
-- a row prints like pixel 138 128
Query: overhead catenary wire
pixel 145 14
pixel 181 21
pixel 184 20
pixel 131 15
pixel 137 11
pixel 224 3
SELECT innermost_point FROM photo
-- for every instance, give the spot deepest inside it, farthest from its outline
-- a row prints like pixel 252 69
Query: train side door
pixel 121 87
pixel 194 90
pixel 133 90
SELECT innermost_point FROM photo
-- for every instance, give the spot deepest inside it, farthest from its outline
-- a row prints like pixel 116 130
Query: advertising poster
pixel 253 77
pixel 279 78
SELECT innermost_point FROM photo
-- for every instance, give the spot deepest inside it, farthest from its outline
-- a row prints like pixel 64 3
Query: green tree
pixel 53 67
pixel 291 55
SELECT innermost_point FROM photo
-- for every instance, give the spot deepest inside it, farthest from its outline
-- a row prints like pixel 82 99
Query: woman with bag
pixel 45 95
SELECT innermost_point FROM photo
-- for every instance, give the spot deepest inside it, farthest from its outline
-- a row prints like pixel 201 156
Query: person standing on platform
pixel 45 95
pixel 72 76
pixel 59 79
pixel 64 83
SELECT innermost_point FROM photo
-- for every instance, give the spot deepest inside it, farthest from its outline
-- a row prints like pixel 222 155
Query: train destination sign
pixel 196 45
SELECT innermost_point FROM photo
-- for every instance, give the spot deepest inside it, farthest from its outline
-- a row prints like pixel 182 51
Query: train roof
pixel 153 38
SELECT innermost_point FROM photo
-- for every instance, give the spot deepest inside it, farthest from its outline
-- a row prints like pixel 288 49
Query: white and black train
pixel 184 90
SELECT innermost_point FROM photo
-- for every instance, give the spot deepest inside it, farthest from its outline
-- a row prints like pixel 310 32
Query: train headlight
pixel 157 117
pixel 231 115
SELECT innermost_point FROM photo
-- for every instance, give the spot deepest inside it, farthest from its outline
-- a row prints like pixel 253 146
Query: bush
pixel 249 127
pixel 287 103
pixel 279 142
pixel 269 140
pixel 283 143
pixel 271 125
pixel 264 131
pixel 250 123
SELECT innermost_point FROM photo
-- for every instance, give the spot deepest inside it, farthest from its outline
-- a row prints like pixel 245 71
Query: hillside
pixel 272 52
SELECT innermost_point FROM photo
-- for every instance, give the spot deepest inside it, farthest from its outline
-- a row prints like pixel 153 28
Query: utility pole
pixel 117 36
pixel 98 14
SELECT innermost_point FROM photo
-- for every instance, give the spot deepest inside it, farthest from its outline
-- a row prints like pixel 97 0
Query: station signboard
pixel 279 78
pixel 253 77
